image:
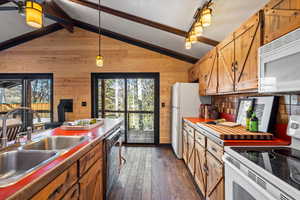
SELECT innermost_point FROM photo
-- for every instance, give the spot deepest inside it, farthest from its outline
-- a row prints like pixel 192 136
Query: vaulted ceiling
pixel 178 14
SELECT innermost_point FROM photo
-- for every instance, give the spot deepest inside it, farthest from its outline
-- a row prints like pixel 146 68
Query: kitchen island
pixel 75 173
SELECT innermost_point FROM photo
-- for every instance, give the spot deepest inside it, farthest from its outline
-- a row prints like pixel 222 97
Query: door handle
pixel 205 168
pixel 232 66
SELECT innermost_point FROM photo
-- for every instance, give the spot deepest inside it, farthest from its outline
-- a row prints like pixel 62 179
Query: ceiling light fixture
pixel 99 58
pixel 206 17
pixel 202 19
pixel 34 14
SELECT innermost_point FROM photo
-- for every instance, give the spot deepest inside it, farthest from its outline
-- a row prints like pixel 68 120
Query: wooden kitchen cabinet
pixel 208 75
pixel 215 178
pixel 200 161
pixel 231 67
pixel 59 186
pixel 89 159
pixel 247 40
pixel 191 153
pixel 208 170
pixel 82 180
pixel 184 145
pixel 91 183
pixel 238 57
pixel 281 17
pixel 225 68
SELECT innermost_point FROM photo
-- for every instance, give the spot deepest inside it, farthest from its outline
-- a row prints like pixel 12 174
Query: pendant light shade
pixel 34 14
pixel 188 44
pixel 99 61
pixel 206 17
pixel 193 37
pixel 198 28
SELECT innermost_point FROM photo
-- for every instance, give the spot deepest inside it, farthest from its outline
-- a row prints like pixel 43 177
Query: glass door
pixel 133 97
pixel 140 107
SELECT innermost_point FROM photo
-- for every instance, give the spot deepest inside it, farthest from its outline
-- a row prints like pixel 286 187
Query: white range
pixel 264 173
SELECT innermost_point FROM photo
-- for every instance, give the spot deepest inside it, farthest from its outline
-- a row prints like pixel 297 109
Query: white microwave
pixel 279 64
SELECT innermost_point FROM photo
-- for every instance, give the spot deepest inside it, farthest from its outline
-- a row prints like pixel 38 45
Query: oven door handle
pixel 250 181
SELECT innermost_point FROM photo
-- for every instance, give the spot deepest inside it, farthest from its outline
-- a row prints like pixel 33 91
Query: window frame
pixel 32 76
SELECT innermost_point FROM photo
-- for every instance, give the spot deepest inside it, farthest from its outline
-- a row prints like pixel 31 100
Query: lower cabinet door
pixel 91 187
pixel 184 146
pixel 200 175
pixel 56 189
pixel 215 178
pixel 191 154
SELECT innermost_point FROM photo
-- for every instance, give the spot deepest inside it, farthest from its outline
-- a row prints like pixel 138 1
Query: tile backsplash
pixel 289 104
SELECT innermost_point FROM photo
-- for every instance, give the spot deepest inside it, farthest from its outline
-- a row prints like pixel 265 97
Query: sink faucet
pixel 4 126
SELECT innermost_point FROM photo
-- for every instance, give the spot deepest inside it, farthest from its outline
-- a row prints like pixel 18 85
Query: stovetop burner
pixel 282 162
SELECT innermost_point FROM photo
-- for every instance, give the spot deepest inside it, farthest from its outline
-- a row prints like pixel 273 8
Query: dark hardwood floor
pixel 135 136
pixel 153 173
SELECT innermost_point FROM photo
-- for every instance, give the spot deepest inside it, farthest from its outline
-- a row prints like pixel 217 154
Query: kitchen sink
pixel 18 163
pixel 55 143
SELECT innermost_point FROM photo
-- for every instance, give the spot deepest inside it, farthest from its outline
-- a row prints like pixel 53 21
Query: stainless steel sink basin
pixel 55 143
pixel 16 164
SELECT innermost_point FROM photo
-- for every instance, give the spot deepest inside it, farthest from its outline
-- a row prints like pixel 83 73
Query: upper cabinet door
pixel 212 82
pixel 281 17
pixel 247 40
pixel 226 69
pixel 204 65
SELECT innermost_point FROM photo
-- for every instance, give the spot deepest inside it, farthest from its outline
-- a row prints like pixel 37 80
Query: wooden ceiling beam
pixel 30 36
pixel 136 42
pixel 54 12
pixel 143 21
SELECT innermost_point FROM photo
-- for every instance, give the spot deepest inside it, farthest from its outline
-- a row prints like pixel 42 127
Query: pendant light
pixel 206 17
pixel 198 28
pixel 34 14
pixel 188 44
pixel 99 58
pixel 193 37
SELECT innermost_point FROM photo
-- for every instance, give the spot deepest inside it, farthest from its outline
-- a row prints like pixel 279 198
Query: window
pixel 28 90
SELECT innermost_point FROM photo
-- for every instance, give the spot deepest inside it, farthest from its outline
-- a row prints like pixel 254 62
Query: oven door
pixel 238 186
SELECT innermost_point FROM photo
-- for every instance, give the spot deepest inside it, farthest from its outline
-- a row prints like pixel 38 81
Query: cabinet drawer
pixel 215 149
pixel 59 186
pixel 185 126
pixel 190 130
pixel 89 159
pixel 72 194
pixel 200 138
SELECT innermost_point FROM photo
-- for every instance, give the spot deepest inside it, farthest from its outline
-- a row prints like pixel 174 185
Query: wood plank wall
pixel 71 59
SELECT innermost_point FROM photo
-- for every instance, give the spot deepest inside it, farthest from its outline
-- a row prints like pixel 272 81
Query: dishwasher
pixel 114 158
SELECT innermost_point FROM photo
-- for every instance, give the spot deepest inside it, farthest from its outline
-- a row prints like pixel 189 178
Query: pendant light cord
pixel 99 7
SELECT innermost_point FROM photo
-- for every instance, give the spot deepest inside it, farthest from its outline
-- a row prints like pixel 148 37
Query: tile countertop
pixel 32 183
pixel 274 142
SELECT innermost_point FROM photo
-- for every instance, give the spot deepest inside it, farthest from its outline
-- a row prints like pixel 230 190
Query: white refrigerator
pixel 185 103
